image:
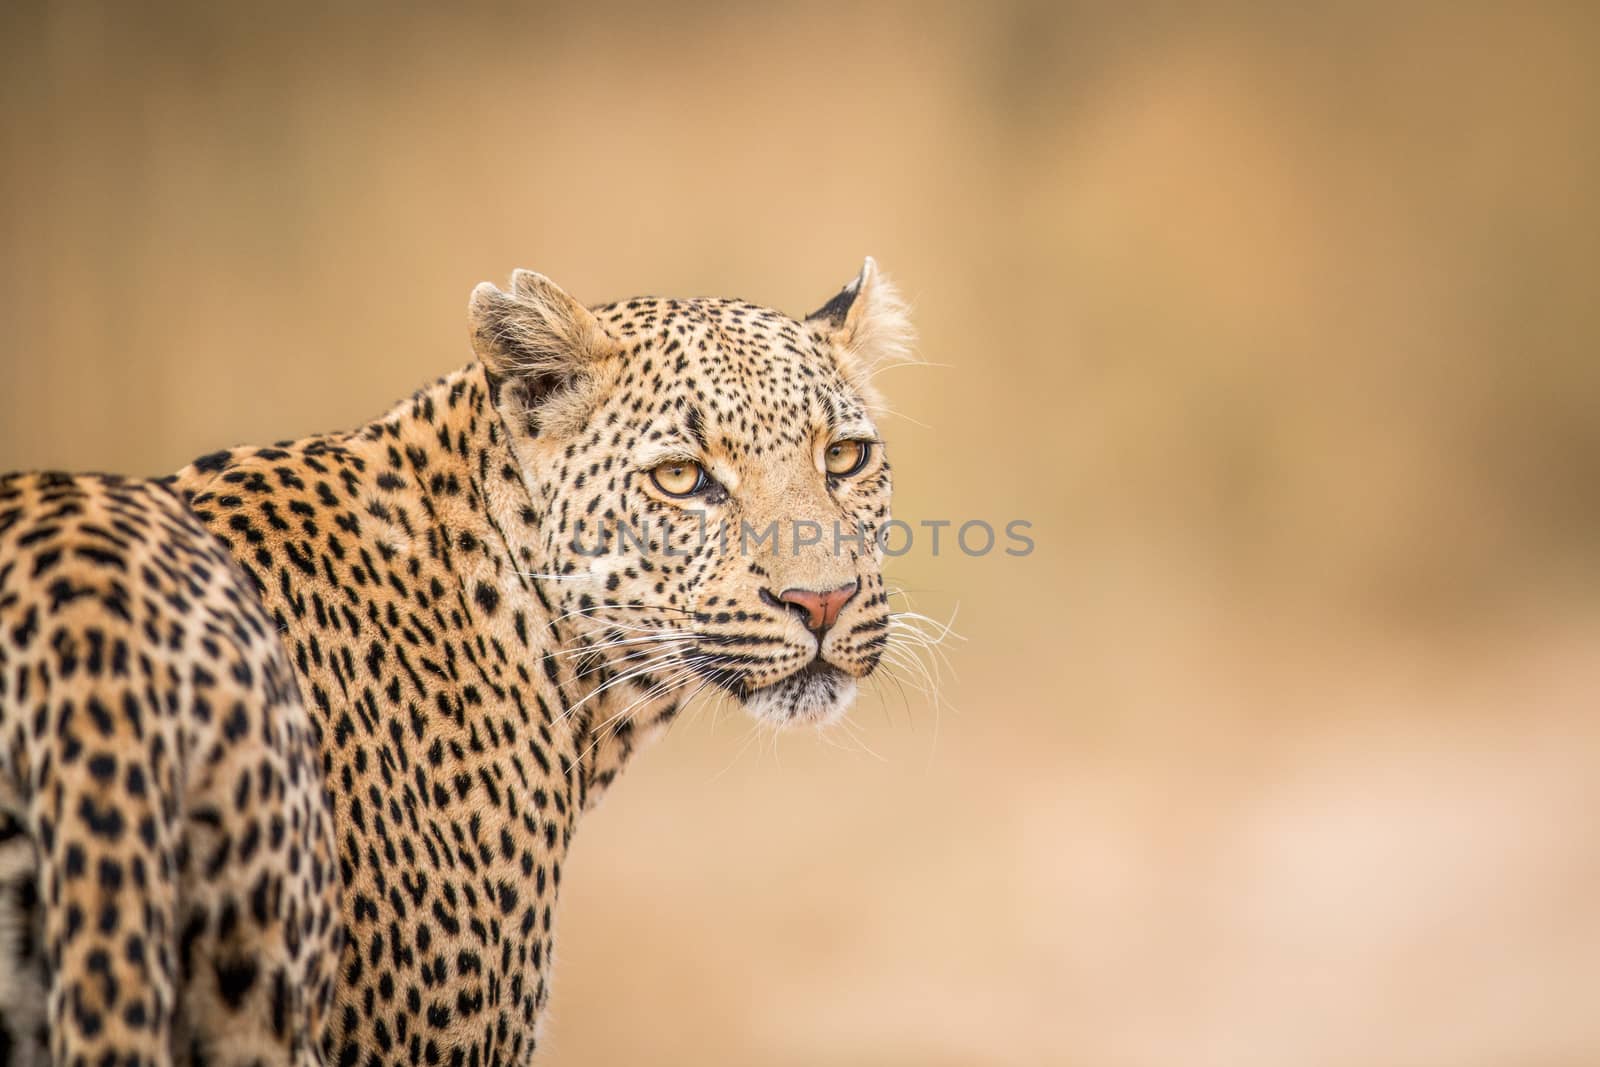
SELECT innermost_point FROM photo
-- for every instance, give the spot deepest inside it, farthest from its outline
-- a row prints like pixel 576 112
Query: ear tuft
pixel 870 326
pixel 536 333
pixel 834 312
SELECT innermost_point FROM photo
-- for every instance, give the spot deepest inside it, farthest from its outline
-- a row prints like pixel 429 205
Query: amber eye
pixel 844 458
pixel 678 477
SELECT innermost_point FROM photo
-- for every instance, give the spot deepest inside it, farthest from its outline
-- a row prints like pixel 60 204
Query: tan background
pixel 1280 326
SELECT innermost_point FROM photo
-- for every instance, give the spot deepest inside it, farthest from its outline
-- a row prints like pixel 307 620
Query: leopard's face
pixel 717 519
pixel 713 483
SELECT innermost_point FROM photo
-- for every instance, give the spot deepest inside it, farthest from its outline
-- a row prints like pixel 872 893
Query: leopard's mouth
pixel 817 693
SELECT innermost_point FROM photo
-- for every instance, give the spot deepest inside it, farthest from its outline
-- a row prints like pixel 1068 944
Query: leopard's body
pixel 367 682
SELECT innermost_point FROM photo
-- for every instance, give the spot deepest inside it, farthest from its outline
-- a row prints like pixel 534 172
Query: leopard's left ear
pixel 869 325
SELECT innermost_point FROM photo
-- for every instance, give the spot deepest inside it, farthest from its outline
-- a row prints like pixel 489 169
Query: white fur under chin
pixel 814 700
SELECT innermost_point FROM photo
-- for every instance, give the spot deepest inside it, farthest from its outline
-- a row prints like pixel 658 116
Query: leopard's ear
pixel 869 325
pixel 535 335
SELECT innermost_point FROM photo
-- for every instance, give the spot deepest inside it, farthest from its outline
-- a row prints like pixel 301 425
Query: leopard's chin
pixel 817 694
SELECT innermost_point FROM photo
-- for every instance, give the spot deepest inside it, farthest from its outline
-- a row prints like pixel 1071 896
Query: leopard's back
pixel 167 884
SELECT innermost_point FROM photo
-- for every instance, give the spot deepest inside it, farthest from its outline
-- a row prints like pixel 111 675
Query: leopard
pixel 296 739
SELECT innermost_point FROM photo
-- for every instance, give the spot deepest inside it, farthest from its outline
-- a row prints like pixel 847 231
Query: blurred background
pixel 1278 323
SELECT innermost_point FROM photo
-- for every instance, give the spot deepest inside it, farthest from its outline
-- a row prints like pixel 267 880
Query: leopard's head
pixel 709 482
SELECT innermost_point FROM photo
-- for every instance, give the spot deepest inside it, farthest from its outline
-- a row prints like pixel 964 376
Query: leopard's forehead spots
pixel 726 377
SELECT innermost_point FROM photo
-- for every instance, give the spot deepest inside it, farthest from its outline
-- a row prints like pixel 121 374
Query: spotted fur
pixel 168 888
pixel 422 599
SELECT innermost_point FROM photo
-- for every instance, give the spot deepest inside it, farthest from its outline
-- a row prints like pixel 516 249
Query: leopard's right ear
pixel 869 326
pixel 535 335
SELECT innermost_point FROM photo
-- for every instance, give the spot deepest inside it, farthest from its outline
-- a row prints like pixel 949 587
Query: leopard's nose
pixel 820 608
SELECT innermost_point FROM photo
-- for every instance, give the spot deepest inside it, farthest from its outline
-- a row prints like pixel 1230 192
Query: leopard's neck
pixel 429 493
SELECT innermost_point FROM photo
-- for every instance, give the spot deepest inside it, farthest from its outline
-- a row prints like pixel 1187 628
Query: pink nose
pixel 822 609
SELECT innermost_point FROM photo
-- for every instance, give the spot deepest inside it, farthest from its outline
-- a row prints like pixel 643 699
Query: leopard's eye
pixel 844 458
pixel 678 477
